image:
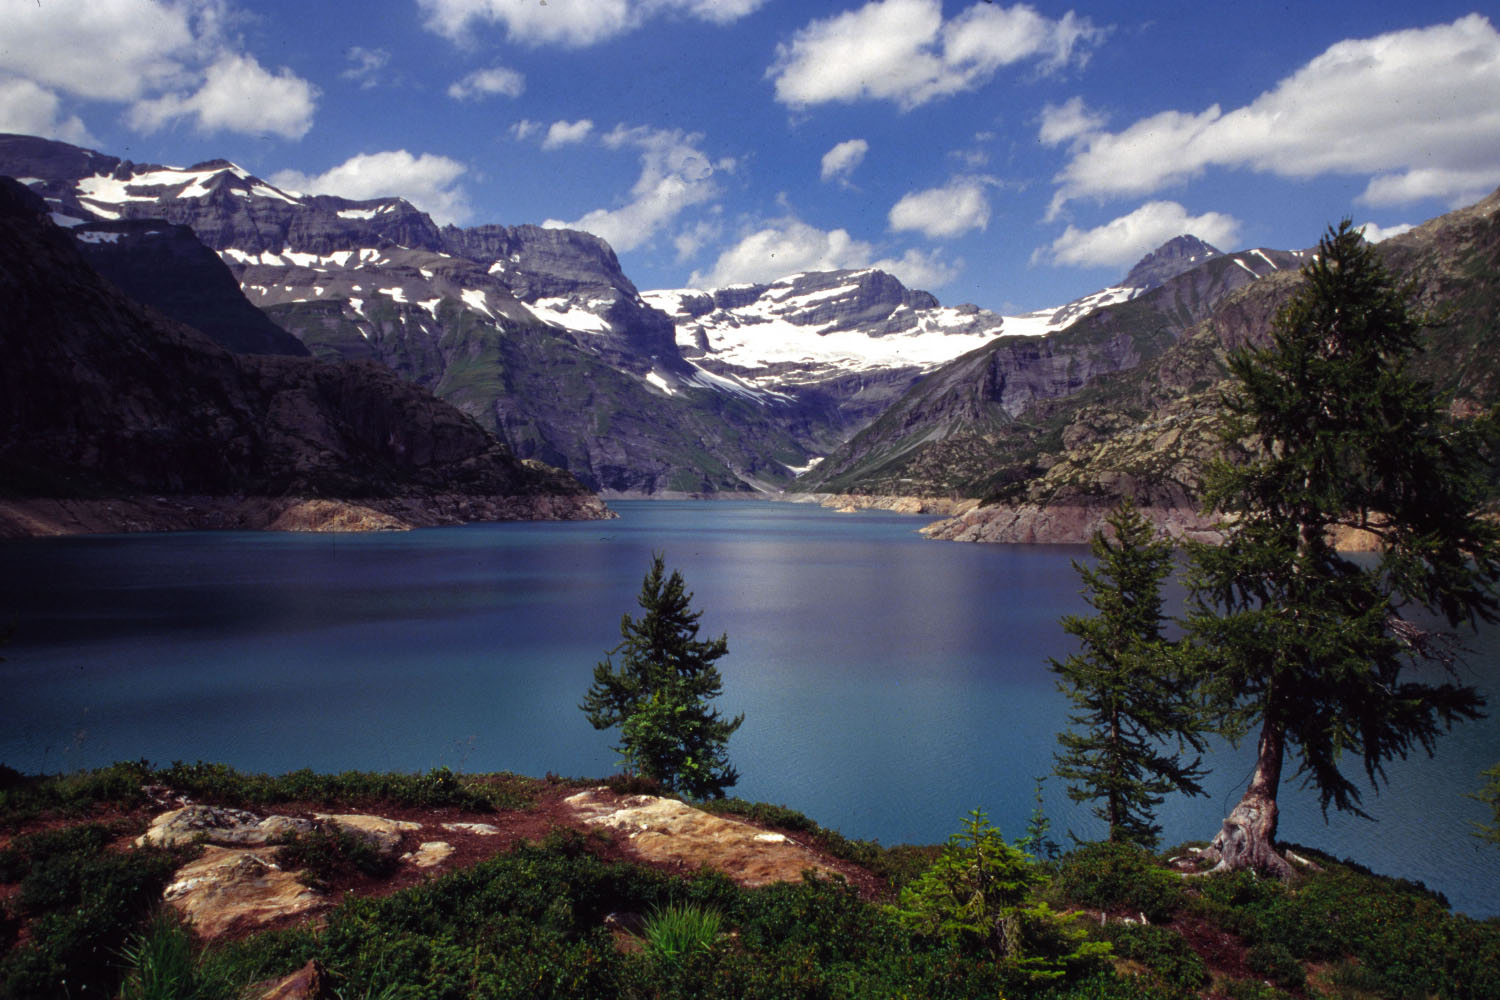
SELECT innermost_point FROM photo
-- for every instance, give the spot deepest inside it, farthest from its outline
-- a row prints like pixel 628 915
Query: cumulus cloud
pixel 840 161
pixel 786 246
pixel 1130 237
pixel 943 212
pixel 487 83
pixel 365 66
pixel 905 52
pixel 675 175
pixel 570 23
pixel 1068 121
pixel 428 181
pixel 237 95
pixel 1415 109
pixel 562 133
pixel 1379 234
pixel 29 109
pixel 168 59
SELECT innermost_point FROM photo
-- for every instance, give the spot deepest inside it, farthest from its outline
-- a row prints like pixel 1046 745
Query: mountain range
pixel 820 382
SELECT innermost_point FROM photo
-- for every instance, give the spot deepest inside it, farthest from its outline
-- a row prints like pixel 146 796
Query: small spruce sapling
pixel 659 694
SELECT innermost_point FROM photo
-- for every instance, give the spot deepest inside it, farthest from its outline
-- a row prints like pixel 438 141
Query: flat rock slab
pixel 233 887
pixel 665 830
pixel 384 834
pixel 477 829
pixel 217 825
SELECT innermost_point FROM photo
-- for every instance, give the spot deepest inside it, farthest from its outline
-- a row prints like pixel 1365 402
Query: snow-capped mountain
pixel 538 333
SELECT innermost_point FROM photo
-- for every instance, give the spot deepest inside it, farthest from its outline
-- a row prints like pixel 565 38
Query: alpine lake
pixel 889 683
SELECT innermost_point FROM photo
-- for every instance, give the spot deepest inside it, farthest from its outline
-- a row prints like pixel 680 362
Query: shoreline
pixel 43 517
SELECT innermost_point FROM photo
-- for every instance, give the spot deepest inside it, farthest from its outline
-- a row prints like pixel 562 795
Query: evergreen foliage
pixel 1134 709
pixel 980 892
pixel 1314 646
pixel 1490 796
pixel 659 694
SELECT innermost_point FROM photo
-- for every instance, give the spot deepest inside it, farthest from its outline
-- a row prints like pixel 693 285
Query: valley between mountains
pixel 194 347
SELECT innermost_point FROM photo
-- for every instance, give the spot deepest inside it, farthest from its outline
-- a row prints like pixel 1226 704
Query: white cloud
pixel 365 66
pixel 1130 237
pixel 428 181
pixel 691 239
pixel 787 246
pixel 570 23
pixel 903 51
pixel 675 175
pixel 487 82
pixel 32 110
pixel 1415 108
pixel 1379 234
pixel 1068 121
pixel 938 213
pixel 840 161
pixel 525 129
pixel 1457 187
pixel 237 95
pixel 167 59
pixel 562 133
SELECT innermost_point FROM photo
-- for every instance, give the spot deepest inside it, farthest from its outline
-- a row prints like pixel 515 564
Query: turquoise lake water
pixel 889 683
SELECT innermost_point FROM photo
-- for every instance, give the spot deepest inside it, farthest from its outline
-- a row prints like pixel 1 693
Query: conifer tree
pixel 1134 711
pixel 659 694
pixel 1310 646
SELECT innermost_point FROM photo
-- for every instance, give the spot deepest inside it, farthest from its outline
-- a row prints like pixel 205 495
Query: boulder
pixel 429 855
pixel 234 887
pixel 218 825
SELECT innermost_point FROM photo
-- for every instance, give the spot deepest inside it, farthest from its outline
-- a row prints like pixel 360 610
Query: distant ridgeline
pixel 823 382
pixel 114 416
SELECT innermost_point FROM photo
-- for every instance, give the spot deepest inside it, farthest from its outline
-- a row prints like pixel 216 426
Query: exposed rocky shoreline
pixel 29 518
pixel 1061 524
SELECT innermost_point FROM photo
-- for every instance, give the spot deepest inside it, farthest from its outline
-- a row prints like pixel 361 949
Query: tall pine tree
pixel 1134 712
pixel 659 694
pixel 1317 650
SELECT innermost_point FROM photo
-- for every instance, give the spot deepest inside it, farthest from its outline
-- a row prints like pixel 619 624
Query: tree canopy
pixel 660 692
pixel 1134 712
pixel 1331 655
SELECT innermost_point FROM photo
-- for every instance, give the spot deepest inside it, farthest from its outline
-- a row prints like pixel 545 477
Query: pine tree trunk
pixel 1247 838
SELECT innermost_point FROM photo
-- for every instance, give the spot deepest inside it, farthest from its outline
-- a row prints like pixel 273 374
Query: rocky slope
pixel 1147 433
pixel 536 333
pixel 102 398
pixel 981 422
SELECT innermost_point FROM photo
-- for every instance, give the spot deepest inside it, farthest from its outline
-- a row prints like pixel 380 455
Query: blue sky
pixel 1014 156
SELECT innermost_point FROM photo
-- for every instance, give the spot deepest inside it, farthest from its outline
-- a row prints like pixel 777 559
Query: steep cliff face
pixel 1150 433
pixel 169 269
pixel 982 422
pixel 463 313
pixel 101 397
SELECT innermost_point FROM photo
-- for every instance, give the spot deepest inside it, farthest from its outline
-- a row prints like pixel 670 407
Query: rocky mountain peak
pixel 1174 257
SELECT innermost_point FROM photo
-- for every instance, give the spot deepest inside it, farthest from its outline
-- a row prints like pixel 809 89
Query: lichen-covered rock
pixel 218 825
pixel 429 854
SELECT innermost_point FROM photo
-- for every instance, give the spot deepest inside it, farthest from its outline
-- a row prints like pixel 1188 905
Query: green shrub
pixel 1161 950
pixel 327 854
pixel 1119 878
pixel 81 903
pixel 978 894
pixel 1276 963
pixel 1250 989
